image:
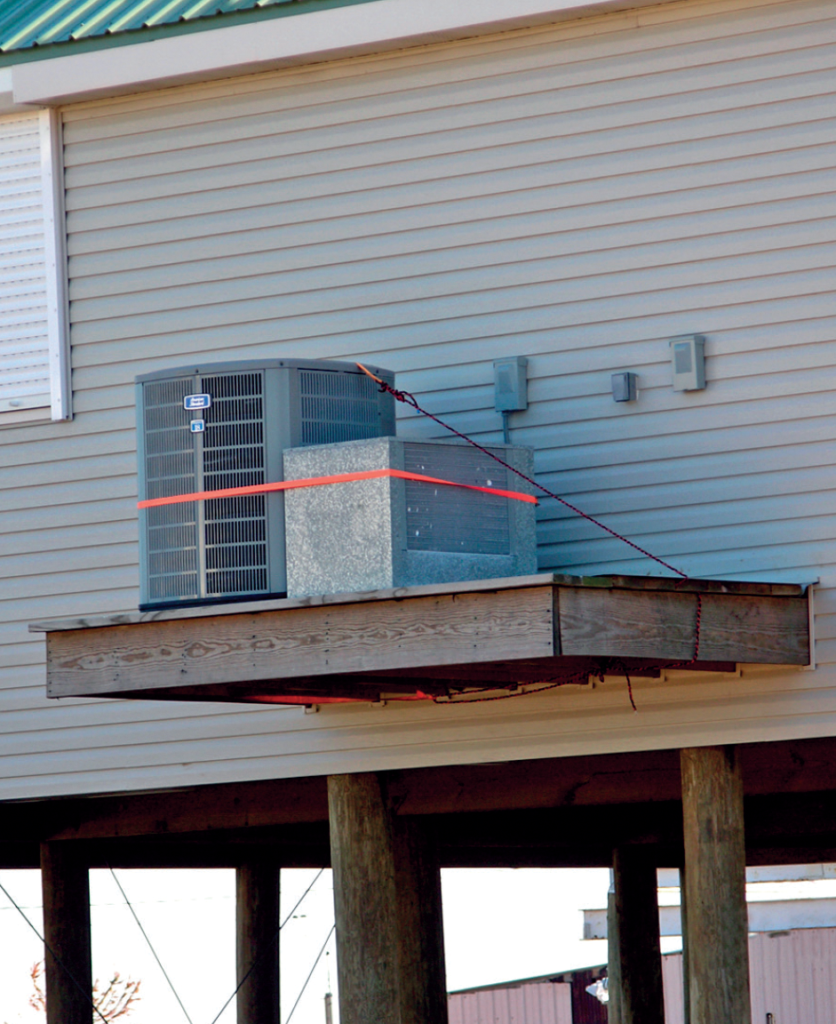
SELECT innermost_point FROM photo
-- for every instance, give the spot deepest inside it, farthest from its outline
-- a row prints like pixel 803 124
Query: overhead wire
pixel 310 973
pixel 151 946
pixel 54 955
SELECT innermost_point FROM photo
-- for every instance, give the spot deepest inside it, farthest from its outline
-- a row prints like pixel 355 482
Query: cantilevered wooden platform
pixel 431 641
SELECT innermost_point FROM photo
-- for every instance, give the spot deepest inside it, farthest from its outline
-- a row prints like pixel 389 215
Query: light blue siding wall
pixel 576 194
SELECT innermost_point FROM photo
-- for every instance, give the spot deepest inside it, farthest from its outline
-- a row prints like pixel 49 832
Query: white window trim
pixel 52 181
pixel 56 402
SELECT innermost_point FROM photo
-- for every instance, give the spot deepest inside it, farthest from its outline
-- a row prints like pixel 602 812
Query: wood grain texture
pixel 715 878
pixel 473 636
pixel 639 951
pixel 749 628
pixel 265 646
pixel 69 972
pixel 387 898
pixel 614 1011
pixel 765 630
pixel 257 920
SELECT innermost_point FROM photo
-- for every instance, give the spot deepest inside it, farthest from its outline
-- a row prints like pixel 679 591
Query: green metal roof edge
pixel 293 8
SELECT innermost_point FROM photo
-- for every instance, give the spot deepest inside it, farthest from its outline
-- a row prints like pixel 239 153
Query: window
pixel 34 357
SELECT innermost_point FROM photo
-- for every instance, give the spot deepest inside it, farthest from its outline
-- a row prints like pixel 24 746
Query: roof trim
pixel 311 37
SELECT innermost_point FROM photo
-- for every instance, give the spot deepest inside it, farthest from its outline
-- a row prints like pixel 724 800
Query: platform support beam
pixel 715 883
pixel 387 897
pixel 257 942
pixel 69 972
pixel 637 923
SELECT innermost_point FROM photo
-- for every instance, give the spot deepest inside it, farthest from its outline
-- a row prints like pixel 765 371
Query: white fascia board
pixel 312 37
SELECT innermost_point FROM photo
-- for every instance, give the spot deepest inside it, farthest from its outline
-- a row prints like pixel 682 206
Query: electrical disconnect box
pixel 510 384
pixel 688 363
pixel 226 425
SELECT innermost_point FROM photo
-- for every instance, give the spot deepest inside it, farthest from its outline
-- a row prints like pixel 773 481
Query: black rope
pixel 55 956
pixel 265 951
pixel 310 975
pixel 150 946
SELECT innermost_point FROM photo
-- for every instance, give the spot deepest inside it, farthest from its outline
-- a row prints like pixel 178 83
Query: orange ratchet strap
pixel 317 481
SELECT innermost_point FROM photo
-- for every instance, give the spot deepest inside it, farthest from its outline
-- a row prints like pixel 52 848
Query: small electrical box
pixel 624 387
pixel 688 362
pixel 510 384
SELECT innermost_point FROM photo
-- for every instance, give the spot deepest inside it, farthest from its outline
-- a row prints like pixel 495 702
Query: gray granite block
pixel 384 533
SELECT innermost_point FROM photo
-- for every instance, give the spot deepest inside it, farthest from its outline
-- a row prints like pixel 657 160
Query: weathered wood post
pixel 683 916
pixel 387 897
pixel 257 942
pixel 637 922
pixel 715 886
pixel 613 964
pixel 66 895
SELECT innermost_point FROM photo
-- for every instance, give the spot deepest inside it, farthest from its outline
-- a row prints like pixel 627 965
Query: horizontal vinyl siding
pixel 577 194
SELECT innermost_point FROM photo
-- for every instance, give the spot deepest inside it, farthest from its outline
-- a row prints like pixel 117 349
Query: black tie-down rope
pixel 54 955
pixel 613 664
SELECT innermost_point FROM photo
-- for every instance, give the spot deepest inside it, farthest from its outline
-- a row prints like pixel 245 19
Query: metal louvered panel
pixel 24 343
pixel 233 548
pixel 450 519
pixel 235 529
pixel 337 407
pixel 170 469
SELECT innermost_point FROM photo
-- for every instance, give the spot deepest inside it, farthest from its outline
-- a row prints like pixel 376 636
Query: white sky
pixel 499 925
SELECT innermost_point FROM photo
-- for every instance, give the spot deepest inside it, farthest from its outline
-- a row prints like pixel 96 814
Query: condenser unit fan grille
pixel 337 407
pixel 172 530
pixel 235 531
pixel 440 518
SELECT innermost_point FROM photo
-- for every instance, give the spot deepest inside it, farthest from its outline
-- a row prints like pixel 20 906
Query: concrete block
pixel 386 533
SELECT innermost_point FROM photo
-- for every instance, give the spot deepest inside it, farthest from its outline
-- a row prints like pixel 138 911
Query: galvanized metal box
pixel 391 532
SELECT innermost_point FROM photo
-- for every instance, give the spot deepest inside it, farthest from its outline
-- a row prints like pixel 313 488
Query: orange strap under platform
pixel 318 481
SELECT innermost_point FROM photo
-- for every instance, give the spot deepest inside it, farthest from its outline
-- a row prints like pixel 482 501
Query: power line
pixel 264 952
pixel 150 946
pixel 54 956
pixel 310 975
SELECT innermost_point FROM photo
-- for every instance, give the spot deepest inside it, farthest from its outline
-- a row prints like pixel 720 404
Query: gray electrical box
pixel 225 425
pixel 510 384
pixel 688 362
pixel 389 532
pixel 624 387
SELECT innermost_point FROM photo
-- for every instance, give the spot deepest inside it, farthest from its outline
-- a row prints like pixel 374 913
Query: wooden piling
pixel 387 898
pixel 715 883
pixel 257 942
pixel 69 971
pixel 613 964
pixel 639 951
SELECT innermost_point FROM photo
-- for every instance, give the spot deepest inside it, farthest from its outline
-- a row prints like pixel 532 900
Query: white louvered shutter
pixel 24 330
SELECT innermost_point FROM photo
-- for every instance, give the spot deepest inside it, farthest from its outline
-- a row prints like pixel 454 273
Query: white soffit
pixel 301 39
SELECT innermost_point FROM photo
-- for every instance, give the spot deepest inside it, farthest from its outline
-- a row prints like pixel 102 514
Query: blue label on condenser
pixel 197 401
pixel 197 426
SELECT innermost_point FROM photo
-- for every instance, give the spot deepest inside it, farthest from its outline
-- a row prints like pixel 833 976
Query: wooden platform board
pixel 427 641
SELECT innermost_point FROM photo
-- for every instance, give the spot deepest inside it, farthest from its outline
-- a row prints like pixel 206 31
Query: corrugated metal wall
pixel 792 976
pixel 576 194
pixel 544 1003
